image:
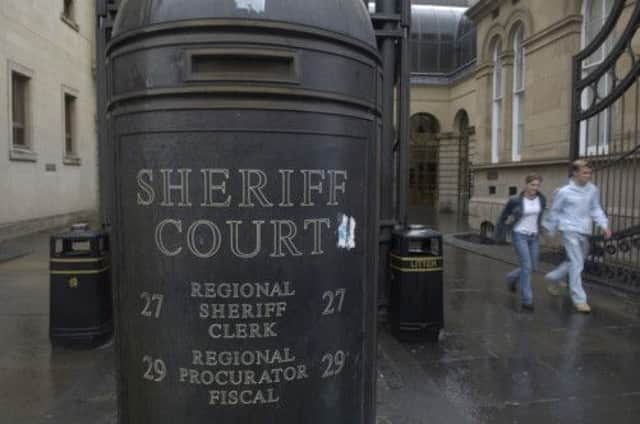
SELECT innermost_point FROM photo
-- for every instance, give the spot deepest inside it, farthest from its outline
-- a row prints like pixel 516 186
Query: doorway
pixel 423 162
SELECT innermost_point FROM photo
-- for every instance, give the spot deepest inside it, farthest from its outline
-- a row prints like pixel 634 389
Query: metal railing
pixel 605 130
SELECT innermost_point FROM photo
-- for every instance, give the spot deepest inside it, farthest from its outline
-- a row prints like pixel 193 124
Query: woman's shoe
pixel 528 307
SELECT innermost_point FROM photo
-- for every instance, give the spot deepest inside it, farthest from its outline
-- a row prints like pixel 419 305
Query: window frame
pixel 496 101
pixel 601 121
pixel 519 84
pixel 70 157
pixel 21 152
pixel 68 15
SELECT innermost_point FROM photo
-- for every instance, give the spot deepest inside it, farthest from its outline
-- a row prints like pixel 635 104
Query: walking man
pixel 575 207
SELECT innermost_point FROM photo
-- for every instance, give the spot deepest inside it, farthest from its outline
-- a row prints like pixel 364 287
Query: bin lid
pixel 416 232
pixel 79 232
pixel 348 17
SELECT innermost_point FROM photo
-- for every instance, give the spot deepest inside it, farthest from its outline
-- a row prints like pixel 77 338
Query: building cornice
pixel 460 74
pixel 521 164
pixel 481 9
pixel 483 69
pixel 567 26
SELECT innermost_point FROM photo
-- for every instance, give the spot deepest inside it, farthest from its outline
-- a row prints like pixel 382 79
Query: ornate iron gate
pixel 605 130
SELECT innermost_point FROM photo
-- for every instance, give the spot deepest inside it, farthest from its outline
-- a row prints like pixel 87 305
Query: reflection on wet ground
pixel 495 363
pixel 499 364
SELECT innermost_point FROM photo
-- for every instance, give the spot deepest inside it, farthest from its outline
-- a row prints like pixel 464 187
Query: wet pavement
pixel 494 364
pixel 39 384
pixel 499 364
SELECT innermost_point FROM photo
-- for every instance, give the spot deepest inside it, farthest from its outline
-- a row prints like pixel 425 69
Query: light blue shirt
pixel 575 208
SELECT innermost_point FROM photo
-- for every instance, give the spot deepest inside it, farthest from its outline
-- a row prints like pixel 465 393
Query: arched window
pixel 594 133
pixel 423 127
pixel 518 94
pixel 496 117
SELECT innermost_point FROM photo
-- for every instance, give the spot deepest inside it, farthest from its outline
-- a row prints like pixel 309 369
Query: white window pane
pixel 497 81
pixel 519 72
pixel 520 137
pixel 496 130
pixel 497 71
pixel 518 125
pixel 520 109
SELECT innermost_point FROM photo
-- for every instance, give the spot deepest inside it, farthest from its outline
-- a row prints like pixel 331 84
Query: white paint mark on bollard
pixel 251 5
pixel 346 232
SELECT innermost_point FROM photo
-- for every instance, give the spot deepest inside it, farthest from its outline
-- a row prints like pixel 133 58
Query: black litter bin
pixel 416 284
pixel 80 311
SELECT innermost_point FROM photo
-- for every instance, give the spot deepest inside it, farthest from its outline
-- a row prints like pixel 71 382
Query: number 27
pixel 150 299
pixel 334 301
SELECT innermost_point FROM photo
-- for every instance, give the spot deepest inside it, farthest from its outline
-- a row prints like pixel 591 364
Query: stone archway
pixel 463 133
pixel 423 160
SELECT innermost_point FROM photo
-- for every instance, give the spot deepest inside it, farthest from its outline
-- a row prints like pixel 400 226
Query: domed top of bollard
pixel 346 17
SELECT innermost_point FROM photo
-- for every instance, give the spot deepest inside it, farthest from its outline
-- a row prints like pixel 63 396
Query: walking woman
pixel 526 211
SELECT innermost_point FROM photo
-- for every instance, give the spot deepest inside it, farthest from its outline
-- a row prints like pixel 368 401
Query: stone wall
pixel 551 37
pixel 57 54
pixel 445 103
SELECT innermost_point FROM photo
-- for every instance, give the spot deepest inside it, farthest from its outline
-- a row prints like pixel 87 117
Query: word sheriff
pixel 305 188
pixel 211 190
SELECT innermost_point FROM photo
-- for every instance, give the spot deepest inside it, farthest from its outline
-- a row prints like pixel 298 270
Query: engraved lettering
pixel 252 330
pixel 334 301
pixel 182 187
pixel 253 189
pixel 244 397
pixel 209 187
pixel 160 240
pixel 150 300
pixel 193 240
pixel 286 188
pixel 156 369
pixel 146 187
pixel 334 186
pixel 317 233
pixel 334 363
pixel 281 238
pixel 242 358
pixel 309 186
pixel 232 290
pixel 234 230
pixel 242 310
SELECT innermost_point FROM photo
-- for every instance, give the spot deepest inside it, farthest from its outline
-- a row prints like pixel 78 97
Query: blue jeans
pixel 576 246
pixel 528 250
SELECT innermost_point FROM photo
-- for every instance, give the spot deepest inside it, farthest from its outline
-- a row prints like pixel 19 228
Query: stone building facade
pixel 515 96
pixel 47 114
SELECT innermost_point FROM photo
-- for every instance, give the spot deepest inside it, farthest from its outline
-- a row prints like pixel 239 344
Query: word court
pixel 213 190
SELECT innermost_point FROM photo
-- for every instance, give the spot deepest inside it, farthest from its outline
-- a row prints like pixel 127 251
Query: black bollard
pixel 244 136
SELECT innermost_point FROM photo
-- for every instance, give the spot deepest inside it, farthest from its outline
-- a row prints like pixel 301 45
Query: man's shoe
pixel 528 307
pixel 512 287
pixel 583 308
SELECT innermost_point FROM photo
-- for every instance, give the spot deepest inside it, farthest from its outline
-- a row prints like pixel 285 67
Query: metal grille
pixel 605 130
